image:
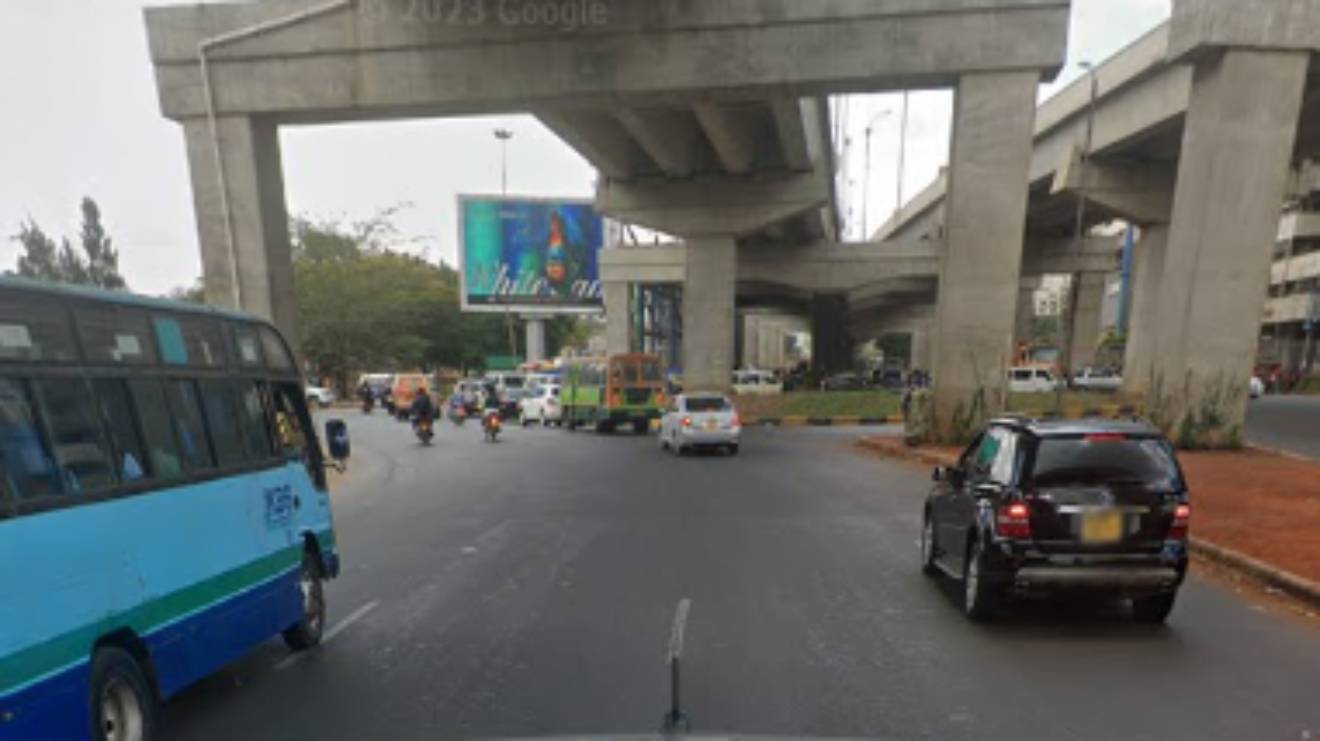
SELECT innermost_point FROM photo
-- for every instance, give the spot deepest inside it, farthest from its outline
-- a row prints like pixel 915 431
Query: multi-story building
pixel 1292 307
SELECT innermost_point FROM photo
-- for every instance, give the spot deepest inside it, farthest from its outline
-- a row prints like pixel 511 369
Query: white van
pixel 757 382
pixel 1030 379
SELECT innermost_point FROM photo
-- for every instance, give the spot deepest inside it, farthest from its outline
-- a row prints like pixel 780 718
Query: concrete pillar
pixel 708 313
pixel 770 347
pixel 980 266
pixel 831 346
pixel 1026 310
pixel 535 338
pixel 618 324
pixel 1237 145
pixel 1147 275
pixel 920 349
pixel 1090 288
pixel 256 218
pixel 750 326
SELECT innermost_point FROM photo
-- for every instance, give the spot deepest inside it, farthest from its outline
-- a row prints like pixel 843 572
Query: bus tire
pixel 306 633
pixel 123 703
pixel 641 427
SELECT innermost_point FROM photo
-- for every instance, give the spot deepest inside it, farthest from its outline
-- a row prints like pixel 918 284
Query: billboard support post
pixel 535 339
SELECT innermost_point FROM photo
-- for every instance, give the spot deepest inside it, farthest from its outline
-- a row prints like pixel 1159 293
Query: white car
pixel 319 395
pixel 700 421
pixel 1097 379
pixel 541 404
pixel 756 382
pixel 1031 379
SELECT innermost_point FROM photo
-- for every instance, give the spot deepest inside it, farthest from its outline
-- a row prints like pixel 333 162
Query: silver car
pixel 693 421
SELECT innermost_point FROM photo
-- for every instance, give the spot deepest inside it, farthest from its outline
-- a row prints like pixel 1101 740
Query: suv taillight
pixel 1182 515
pixel 1013 520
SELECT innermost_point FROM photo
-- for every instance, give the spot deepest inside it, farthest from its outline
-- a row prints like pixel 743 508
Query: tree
pixel 97 266
pixel 1045 328
pixel 362 306
pixel 193 294
pixel 41 256
pixel 102 267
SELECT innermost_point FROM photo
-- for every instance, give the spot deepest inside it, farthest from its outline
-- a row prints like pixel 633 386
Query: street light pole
pixel 866 177
pixel 504 135
pixel 902 155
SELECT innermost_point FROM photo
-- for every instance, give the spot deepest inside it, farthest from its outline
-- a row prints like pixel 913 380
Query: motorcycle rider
pixel 490 403
pixel 422 409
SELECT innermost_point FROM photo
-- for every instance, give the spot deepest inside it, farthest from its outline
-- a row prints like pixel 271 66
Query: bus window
pixel 222 421
pixel 34 330
pixel 75 433
pixel 292 435
pixel 205 343
pixel 28 467
pixel 245 347
pixel 154 414
pixel 115 336
pixel 651 371
pixel 187 415
pixel 117 415
pixel 252 413
pixel 277 356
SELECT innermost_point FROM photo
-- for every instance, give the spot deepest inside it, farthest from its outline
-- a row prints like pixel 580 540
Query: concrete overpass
pixel 1198 130
pixel 704 119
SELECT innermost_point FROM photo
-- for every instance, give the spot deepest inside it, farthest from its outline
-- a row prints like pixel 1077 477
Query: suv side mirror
pixel 336 436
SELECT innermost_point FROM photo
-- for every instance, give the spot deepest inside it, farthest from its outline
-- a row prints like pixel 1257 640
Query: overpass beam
pixel 708 313
pixel 1236 149
pixel 249 242
pixel 980 267
pixel 669 137
pixel 1140 192
pixel 1147 277
pixel 730 135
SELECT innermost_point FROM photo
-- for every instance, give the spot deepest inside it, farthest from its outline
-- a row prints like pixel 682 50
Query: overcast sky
pixel 80 117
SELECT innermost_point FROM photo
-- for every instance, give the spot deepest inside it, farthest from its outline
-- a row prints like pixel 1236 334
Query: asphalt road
pixel 527 588
pixel 1290 423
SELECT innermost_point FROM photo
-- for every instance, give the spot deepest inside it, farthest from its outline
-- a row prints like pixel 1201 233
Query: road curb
pixel 1286 581
pixel 847 420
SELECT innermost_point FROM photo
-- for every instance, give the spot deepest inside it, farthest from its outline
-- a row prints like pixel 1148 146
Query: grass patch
pixel 875 403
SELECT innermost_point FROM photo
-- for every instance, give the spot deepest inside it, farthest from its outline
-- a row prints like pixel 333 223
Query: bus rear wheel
pixel 306 633
pixel 123 704
pixel 641 427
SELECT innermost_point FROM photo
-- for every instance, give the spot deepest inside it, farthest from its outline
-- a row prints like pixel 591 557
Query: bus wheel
pixel 307 632
pixel 640 427
pixel 123 705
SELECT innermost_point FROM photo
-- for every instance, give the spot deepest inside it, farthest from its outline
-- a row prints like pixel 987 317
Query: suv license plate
pixel 1105 526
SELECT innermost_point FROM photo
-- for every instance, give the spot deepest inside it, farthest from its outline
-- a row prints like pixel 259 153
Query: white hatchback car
pixel 700 421
pixel 541 404
pixel 1028 379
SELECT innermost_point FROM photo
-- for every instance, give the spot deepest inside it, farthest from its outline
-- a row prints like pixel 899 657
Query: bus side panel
pixel 56 707
pixel 200 572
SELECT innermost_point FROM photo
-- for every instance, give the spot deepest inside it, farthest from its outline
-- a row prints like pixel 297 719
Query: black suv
pixel 1038 507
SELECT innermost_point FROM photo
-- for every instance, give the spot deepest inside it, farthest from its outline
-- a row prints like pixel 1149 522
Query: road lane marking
pixel 335 630
pixel 677 629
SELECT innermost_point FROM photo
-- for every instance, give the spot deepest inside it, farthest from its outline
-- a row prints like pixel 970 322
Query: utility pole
pixel 504 135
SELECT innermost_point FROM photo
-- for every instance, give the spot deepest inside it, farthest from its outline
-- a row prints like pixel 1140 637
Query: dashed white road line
pixel 335 630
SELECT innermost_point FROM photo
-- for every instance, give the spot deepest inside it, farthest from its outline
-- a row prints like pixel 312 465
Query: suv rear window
pixel 1105 459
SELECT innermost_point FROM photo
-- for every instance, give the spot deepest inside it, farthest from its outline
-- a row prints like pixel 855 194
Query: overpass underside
pixel 706 122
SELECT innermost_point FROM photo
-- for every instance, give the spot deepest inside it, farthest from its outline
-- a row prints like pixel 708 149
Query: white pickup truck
pixel 1097 379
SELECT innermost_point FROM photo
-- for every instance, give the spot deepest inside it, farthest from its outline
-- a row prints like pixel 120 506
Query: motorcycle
pixel 458 415
pixel 368 403
pixel 424 430
pixel 491 424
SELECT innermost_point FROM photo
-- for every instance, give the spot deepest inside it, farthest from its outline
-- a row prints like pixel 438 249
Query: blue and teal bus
pixel 163 505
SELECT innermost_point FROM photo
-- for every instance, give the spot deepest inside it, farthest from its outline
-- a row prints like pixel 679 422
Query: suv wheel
pixel 978 594
pixel 1154 610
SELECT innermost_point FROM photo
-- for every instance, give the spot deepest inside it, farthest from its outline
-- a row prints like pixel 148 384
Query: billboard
pixel 529 254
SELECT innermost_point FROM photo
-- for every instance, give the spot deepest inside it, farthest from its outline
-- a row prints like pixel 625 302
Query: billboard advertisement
pixel 527 254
